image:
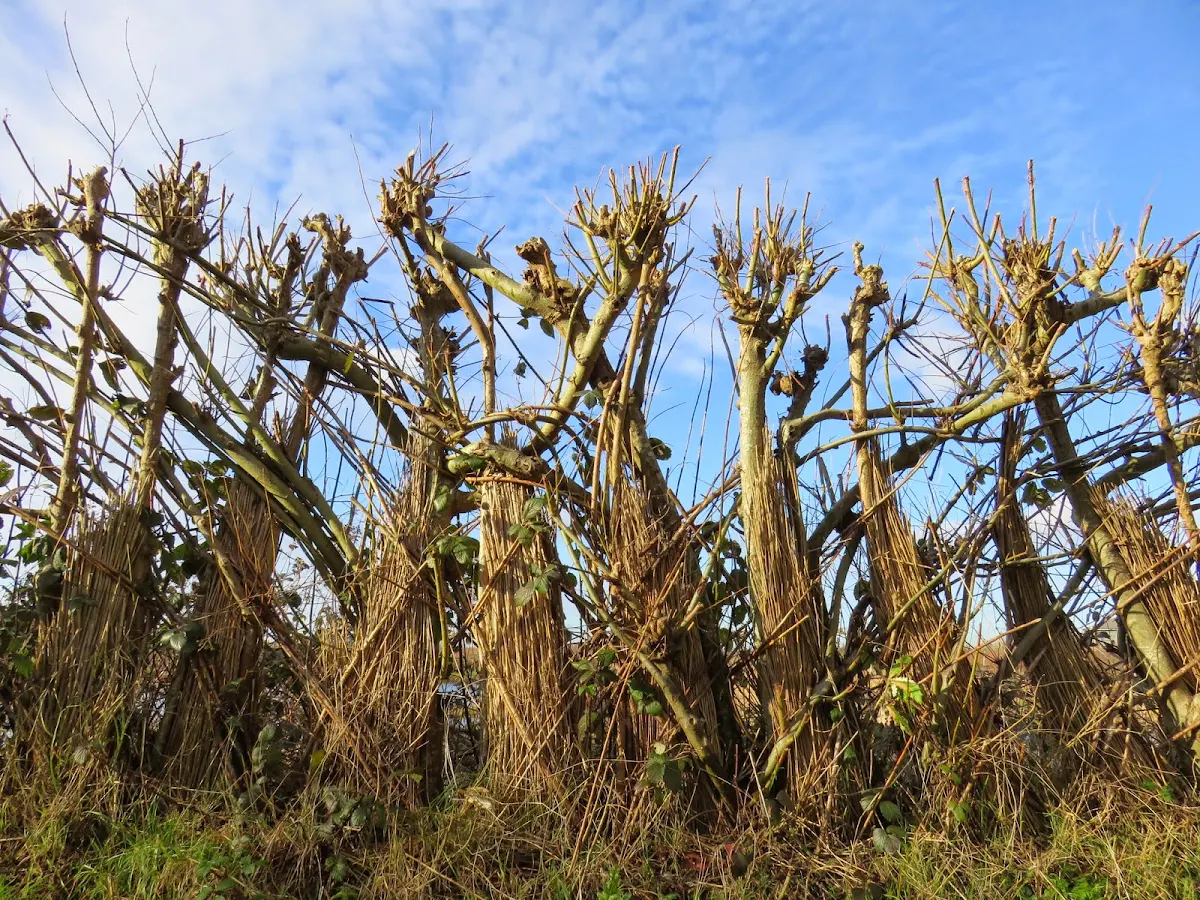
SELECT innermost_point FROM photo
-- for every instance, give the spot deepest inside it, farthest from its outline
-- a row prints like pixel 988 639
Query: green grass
pixel 469 850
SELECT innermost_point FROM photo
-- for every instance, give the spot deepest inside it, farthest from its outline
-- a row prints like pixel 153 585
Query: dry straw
pixel 522 639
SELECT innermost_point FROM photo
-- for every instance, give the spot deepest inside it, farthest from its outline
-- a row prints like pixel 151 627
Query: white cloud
pixel 862 110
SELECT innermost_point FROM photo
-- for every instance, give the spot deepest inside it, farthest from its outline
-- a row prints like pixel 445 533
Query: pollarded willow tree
pixel 773 634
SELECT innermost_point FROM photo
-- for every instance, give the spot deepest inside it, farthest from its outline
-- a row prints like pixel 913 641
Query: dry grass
pixel 91 646
pixel 792 627
pixel 522 642
pixel 220 681
pixel 918 628
pixel 1169 590
pixel 1075 696
pixel 382 674
pixel 1107 841
pixel 658 578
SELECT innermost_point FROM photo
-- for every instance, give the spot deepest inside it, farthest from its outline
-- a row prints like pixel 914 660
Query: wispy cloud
pixel 860 106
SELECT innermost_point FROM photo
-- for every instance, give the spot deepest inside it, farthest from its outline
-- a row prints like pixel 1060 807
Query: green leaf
pixel 80 602
pixel 534 507
pixel 44 413
pixel 959 809
pixel 466 549
pixel 338 869
pixel 462 547
pixel 890 811
pixel 886 843
pixel 656 766
pixel 110 368
pixel 23 665
pixel 524 594
pixel 584 725
pixel 547 328
pixel 672 776
pixel 520 533
pixel 867 801
pixel 612 888
pixel 465 463
pixel 315 761
pixel 37 321
pixel 6 473
pixel 123 402
pixel 646 698
pixel 175 639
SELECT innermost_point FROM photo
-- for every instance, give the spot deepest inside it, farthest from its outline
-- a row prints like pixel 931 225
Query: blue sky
pixel 862 105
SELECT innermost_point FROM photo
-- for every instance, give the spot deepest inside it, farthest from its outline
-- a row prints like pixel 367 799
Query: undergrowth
pixel 472 845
